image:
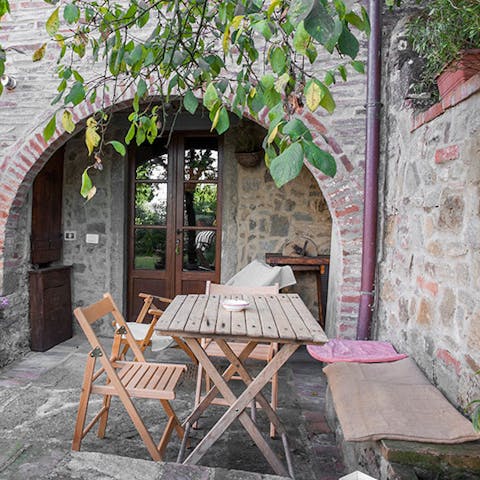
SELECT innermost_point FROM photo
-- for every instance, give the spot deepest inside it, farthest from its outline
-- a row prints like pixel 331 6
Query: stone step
pixel 89 465
pixel 442 458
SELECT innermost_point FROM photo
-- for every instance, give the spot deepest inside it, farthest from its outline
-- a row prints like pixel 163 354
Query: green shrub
pixel 441 32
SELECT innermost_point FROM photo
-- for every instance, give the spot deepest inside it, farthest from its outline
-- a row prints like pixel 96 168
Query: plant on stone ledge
pixel 440 34
pixel 474 405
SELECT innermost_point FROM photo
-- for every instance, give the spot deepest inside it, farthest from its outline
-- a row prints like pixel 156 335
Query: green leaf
pixel 327 102
pixel 49 129
pixel 141 88
pixel 348 44
pixel 190 102
pixel 278 60
pixel 53 23
pixel 287 165
pixel 76 94
pixel 87 184
pixel 130 134
pixel 299 9
pixel 301 39
pixel 343 72
pixel 211 96
pixel 319 24
pixel 4 7
pixel 118 146
pixel 221 121
pixel 358 66
pixel 353 19
pixel 296 129
pixel 264 28
pixel 67 121
pixel 320 159
pixel 329 78
pixel 71 13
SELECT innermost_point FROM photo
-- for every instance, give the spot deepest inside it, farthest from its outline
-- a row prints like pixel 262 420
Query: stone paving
pixel 38 403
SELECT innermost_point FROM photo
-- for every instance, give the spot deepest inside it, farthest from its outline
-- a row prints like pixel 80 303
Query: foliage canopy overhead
pixel 232 56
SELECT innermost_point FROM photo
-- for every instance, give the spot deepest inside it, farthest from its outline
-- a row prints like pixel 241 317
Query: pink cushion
pixel 362 351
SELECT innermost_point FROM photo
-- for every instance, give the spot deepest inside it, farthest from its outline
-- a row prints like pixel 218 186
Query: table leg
pixel 213 392
pixel 238 405
pixel 247 379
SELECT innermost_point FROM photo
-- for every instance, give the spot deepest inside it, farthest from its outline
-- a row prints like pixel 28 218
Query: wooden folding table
pixel 280 318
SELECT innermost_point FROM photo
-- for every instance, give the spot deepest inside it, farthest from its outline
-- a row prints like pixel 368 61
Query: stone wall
pixel 97 268
pixel 429 253
pixel 266 217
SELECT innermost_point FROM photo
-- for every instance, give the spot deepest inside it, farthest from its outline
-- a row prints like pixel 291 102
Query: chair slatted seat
pixel 124 379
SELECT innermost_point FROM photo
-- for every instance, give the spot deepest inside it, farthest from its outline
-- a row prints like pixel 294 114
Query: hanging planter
pixel 459 71
pixel 249 159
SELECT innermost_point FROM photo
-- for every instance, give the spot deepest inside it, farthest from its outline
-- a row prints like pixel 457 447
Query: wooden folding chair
pixel 263 352
pixel 125 380
pixel 142 331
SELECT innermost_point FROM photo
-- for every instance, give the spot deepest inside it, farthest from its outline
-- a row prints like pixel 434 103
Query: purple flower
pixel 4 302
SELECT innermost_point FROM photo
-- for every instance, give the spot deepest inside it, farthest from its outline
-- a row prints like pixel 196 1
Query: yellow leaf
pixel 39 53
pixel 267 160
pixel 92 138
pixel 253 92
pixel 91 192
pixel 215 119
pixel 53 23
pixel 235 23
pixel 226 39
pixel 272 135
pixel 313 96
pixel 67 122
pixel 272 6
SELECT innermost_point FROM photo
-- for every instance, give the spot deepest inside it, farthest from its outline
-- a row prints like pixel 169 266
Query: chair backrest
pixel 88 315
pixel 218 289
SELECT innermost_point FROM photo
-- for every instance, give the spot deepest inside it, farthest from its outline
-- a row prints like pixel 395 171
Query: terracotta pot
pixel 459 71
pixel 249 159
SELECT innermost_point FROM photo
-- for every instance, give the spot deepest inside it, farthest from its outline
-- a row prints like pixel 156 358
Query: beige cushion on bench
pixel 393 400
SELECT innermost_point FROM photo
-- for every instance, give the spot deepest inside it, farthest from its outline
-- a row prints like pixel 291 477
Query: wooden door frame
pixel 179 183
pixel 174 202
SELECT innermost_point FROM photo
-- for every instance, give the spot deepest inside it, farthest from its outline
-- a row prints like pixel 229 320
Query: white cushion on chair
pixel 139 330
pixel 258 273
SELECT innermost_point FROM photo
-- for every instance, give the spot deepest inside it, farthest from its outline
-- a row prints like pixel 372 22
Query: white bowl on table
pixel 235 305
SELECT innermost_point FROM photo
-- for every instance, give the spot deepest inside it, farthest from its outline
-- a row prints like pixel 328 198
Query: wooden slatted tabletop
pixel 282 318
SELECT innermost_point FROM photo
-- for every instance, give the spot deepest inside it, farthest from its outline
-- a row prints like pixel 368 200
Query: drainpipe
pixel 372 152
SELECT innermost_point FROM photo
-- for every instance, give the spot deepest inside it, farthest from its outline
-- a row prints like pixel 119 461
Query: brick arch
pixel 343 195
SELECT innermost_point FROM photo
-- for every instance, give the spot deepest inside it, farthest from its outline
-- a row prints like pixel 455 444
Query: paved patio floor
pixel 39 398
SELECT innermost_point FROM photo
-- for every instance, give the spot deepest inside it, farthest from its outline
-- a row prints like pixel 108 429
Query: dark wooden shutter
pixel 46 237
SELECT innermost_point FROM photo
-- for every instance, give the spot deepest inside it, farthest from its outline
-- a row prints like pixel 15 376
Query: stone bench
pixel 391 423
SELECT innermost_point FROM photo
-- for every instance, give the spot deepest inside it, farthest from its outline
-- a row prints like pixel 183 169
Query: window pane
pixel 201 159
pixel 199 250
pixel 151 204
pixel 151 163
pixel 150 246
pixel 200 204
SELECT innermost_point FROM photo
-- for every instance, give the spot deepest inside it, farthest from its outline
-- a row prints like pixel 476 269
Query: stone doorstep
pixel 465 456
pixel 90 465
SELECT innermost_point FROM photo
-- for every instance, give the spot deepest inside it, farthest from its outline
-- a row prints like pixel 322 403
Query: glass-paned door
pixel 174 227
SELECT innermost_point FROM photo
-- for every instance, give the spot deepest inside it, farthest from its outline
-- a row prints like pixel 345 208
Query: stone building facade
pixel 429 228
pixel 429 250
pixel 257 217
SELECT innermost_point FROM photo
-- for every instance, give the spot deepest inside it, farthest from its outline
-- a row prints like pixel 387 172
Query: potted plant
pixel 248 146
pixel 447 36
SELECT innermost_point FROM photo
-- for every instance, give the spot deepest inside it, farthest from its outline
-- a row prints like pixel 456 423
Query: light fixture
pixel 8 82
